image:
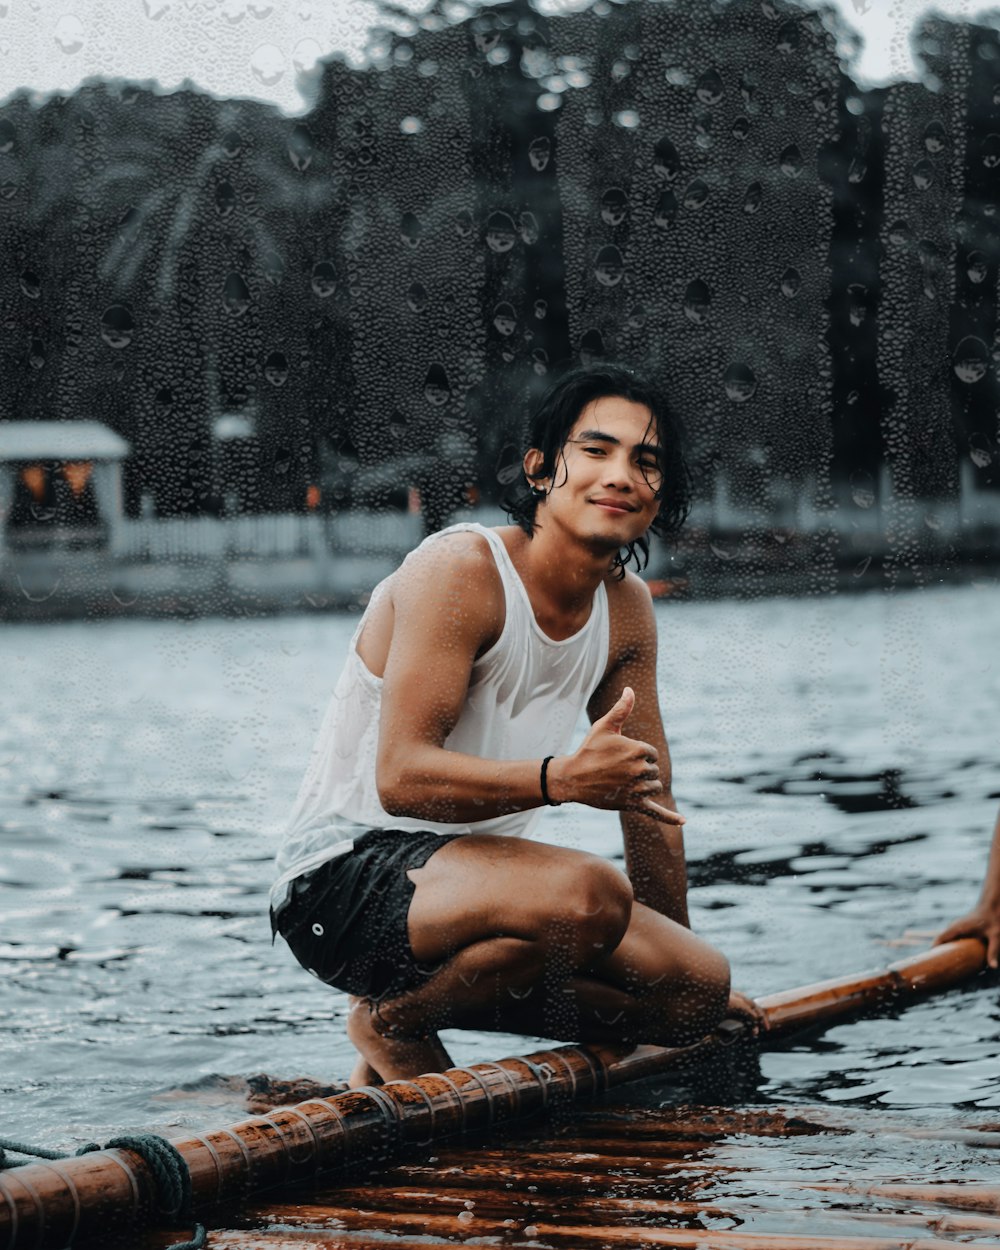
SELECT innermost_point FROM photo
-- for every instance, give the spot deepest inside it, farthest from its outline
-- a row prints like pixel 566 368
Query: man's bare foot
pixel 363 1074
pixel 392 1058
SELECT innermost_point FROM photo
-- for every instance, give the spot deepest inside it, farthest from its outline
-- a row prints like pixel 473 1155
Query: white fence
pixel 267 536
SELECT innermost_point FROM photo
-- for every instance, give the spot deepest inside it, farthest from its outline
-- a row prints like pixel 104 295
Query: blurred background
pixel 249 355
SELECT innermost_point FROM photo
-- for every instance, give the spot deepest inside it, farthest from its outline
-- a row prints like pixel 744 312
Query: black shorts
pixel 345 921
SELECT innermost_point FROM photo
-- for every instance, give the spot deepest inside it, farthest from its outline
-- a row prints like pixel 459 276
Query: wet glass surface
pixel 836 759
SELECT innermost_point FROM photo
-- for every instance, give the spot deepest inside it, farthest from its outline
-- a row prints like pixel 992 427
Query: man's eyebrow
pixel 599 436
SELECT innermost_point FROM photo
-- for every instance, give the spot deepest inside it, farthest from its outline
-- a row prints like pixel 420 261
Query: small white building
pixel 52 473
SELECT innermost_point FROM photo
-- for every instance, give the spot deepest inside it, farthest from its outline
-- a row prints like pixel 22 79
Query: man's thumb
pixel 621 711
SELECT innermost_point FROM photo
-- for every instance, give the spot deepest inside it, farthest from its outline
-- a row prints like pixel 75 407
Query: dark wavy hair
pixel 549 428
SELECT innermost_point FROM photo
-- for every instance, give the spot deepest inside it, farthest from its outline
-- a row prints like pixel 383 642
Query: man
pixel 406 879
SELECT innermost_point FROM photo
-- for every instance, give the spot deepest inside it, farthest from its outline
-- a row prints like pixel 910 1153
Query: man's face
pixel 607 476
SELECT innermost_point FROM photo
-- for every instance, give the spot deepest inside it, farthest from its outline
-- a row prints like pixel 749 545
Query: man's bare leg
pixel 584 963
pixel 411 1056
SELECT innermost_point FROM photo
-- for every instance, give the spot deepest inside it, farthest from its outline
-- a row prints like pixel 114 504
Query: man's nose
pixel 618 472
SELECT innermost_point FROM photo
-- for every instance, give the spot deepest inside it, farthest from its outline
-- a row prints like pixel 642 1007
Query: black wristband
pixel 545 784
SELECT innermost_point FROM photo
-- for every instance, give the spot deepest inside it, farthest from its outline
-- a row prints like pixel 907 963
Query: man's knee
pixel 595 899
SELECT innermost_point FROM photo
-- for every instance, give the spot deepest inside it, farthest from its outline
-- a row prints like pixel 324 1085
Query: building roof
pixel 60 440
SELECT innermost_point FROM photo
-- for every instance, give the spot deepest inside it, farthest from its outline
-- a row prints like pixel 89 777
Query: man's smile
pixel 616 506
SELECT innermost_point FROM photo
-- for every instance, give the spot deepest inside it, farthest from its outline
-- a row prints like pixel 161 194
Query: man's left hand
pixel 743 1008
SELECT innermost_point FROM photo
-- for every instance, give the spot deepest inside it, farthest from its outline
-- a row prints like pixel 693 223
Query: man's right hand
pixel 611 771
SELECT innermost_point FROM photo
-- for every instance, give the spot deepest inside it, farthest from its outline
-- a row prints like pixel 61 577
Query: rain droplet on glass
pixel 900 232
pixel 666 209
pixel 935 137
pixel 416 297
pixel 922 175
pixel 977 267
pixel 527 228
pixel 463 223
pixel 225 198
pixel 740 382
pixel 235 295
pixel 790 161
pixel 541 309
pixel 697 301
pixel 301 147
pixel 979 451
pixel 695 194
pixel 971 360
pixel 29 283
pixel 614 206
pixel 753 197
pixel 276 368
pixel 741 128
pixel 504 319
pixel 323 279
pixel 609 267
pixel 710 88
pixel 437 388
pixel 501 234
pixel 862 489
pixel 666 161
pixel 69 34
pixel 411 229
pixel 591 347
pixel 117 326
pixel 789 38
pixel 268 64
pixel 791 282
pixel 539 152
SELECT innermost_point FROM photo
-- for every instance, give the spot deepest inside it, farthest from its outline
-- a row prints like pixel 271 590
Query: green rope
pixel 173 1180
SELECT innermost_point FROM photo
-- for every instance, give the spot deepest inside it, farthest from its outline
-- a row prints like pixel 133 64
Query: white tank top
pixel 525 697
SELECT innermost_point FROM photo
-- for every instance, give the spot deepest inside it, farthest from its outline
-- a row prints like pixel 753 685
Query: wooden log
pixel 516 1228
pixel 284 1239
pixel 606 1129
pixel 47 1205
pixel 939 968
pixel 594 1208
pixel 965 1197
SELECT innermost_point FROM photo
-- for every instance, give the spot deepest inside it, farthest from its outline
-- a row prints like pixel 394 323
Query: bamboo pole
pixel 49 1205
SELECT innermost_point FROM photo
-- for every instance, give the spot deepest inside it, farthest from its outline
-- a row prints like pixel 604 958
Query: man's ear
pixel 534 462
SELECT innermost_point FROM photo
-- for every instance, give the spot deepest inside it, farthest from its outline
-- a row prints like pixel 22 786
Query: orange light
pixel 312 497
pixel 78 475
pixel 33 476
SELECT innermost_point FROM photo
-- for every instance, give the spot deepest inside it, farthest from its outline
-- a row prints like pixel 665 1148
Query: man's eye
pixel 597 451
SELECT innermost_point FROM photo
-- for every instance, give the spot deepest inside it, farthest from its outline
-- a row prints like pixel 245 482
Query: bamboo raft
pixel 620 1177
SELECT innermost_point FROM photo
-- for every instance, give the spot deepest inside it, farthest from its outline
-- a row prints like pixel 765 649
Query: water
pixel 837 760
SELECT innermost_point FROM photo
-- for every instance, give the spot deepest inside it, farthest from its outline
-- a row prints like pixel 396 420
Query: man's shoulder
pixel 453 563
pixel 630 609
pixel 462 550
pixel 628 593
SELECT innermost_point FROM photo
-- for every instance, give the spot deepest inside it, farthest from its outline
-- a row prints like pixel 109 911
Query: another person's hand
pixel 982 922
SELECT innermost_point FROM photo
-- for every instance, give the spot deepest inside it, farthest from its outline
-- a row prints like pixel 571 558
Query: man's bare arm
pixel 654 852
pixel 447 609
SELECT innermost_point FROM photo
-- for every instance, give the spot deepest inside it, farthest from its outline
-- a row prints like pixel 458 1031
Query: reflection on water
pixel 836 759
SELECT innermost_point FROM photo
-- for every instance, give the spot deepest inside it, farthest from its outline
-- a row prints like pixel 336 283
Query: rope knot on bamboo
pixel 164 1160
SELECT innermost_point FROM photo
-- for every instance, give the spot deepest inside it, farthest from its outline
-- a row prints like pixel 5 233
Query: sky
pixel 268 49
